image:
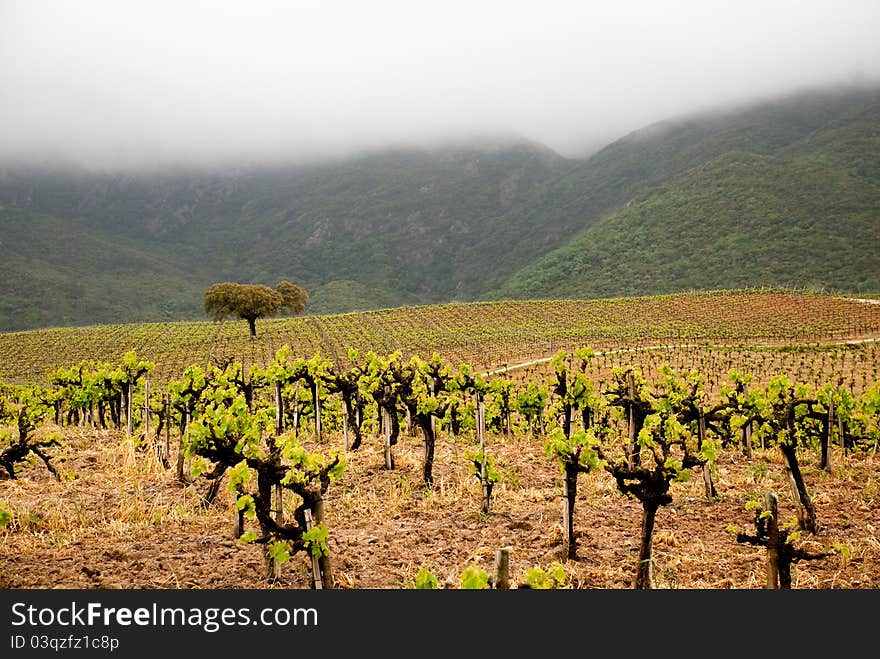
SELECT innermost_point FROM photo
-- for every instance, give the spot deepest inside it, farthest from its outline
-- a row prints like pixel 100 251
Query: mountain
pixel 784 193
pixel 384 229
pixel 779 192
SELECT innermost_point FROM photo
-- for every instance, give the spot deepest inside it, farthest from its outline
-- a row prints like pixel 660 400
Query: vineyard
pixel 709 440
pixel 486 335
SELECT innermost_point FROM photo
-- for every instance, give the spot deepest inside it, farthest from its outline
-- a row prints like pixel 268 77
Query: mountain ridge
pixel 468 221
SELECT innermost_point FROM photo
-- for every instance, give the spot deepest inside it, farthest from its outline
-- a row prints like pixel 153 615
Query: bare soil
pixel 119 521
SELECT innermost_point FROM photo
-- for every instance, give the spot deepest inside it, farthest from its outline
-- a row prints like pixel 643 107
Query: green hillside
pixel 764 212
pixel 782 192
pixel 740 220
pixel 402 225
pixel 59 272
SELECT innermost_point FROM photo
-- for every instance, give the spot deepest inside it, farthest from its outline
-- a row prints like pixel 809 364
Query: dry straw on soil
pixel 119 520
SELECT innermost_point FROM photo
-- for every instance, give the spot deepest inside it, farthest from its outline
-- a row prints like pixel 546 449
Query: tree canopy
pixel 252 301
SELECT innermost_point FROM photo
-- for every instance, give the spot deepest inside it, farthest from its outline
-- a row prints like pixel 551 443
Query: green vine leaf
pixel 425 579
pixel 474 578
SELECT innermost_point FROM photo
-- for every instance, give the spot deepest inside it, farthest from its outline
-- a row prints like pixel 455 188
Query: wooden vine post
pixel 747 438
pixel 296 411
pixel 147 411
pixel 484 460
pixel 274 565
pixel 128 411
pixel 631 420
pixel 317 413
pixel 317 580
pixel 166 406
pixel 325 570
pixel 501 574
pixel 279 409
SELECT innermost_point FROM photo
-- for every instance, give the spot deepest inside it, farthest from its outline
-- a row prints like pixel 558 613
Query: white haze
pixel 113 83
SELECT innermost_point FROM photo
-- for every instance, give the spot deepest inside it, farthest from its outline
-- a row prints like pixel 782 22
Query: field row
pixel 486 335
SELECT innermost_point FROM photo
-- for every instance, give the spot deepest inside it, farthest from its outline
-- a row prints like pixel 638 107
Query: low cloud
pixel 110 84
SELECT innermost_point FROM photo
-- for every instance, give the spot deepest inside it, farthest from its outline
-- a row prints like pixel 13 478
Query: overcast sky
pixel 118 82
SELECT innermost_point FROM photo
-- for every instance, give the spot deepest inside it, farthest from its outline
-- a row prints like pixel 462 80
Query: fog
pixel 110 84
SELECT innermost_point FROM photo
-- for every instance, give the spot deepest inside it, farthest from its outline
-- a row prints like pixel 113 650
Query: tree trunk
pixel 324 563
pixel 569 494
pixel 354 419
pixel 263 501
pixel 180 448
pixel 806 514
pixel 645 571
pixel 566 420
pixel 430 438
pixel 586 418
pixel 393 424
pixel 827 434
pixel 635 458
pixel 386 425
pixel 410 426
pixel 771 504
pixel 252 324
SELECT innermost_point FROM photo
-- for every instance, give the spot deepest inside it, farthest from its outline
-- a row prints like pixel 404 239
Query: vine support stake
pixel 630 420
pixel 275 566
pixel 317 581
pixel 181 455
pixel 279 409
pixel 166 407
pixel 501 575
pixel 317 414
pixel 484 461
pixel 146 410
pixel 128 411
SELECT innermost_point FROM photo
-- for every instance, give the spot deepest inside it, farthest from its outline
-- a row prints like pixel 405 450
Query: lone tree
pixel 252 301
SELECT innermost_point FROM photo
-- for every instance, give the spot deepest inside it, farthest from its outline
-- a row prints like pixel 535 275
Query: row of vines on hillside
pixel 486 335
